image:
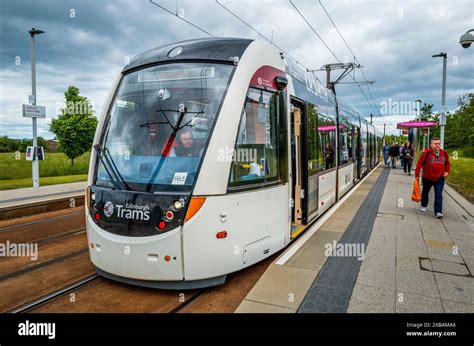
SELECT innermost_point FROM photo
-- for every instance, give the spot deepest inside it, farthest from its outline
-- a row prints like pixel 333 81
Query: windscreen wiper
pixel 117 172
pixel 182 112
pixel 97 148
pixel 107 160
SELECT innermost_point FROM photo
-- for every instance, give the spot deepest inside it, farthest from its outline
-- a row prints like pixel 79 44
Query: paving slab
pixel 457 288
pixel 415 303
pixel 248 306
pixel 413 262
pixel 372 299
pixel 283 286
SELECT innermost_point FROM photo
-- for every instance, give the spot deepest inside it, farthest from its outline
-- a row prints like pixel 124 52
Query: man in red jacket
pixel 435 164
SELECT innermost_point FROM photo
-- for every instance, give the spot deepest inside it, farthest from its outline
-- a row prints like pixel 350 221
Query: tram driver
pixel 185 145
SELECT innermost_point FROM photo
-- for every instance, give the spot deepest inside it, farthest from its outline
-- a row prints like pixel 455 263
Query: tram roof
pixel 216 49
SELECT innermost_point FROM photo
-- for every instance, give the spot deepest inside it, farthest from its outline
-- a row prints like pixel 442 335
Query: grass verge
pixel 26 182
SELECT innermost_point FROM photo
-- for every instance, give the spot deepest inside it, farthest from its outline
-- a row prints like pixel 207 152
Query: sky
pixel 87 43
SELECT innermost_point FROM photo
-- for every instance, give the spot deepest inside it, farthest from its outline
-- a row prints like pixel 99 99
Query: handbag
pixel 416 193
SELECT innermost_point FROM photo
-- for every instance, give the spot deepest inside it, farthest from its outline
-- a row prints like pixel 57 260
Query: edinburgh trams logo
pixel 108 209
pixel 128 211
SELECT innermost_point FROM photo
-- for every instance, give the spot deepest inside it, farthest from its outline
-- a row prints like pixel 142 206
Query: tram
pixel 211 155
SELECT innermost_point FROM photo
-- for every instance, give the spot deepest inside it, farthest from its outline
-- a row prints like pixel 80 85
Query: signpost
pixel 33 111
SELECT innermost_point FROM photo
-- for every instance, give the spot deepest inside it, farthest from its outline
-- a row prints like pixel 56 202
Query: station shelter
pixel 418 134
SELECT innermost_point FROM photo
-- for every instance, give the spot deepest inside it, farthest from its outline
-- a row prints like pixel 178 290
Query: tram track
pixel 95 294
pixel 45 287
pixel 41 254
pixel 49 228
pixel 51 296
pixel 25 270
pixel 188 300
pixel 38 222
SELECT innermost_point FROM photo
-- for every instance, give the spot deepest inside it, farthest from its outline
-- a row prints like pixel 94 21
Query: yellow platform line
pixel 298 232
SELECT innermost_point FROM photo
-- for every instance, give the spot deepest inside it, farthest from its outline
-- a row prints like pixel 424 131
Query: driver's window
pixel 255 158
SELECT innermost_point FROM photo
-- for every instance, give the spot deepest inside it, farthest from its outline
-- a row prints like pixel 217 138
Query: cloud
pixel 87 43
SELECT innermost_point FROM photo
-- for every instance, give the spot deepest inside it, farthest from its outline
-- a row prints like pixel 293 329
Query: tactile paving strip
pixel 332 289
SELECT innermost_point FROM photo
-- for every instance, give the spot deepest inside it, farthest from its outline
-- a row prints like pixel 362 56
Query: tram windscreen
pixel 159 124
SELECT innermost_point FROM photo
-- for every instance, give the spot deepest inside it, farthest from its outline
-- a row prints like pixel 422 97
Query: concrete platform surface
pixel 9 198
pixel 412 262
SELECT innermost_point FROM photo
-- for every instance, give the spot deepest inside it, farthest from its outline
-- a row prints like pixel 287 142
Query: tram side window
pixel 345 144
pixel 314 163
pixel 326 129
pixel 255 158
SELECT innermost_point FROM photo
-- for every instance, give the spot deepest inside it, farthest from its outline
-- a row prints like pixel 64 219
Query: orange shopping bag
pixel 416 194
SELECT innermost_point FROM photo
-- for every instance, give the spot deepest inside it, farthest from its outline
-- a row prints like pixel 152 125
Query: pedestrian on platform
pixel 394 152
pixel 407 155
pixel 435 164
pixel 385 151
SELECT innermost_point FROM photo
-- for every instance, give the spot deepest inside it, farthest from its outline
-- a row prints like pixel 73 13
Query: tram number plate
pixel 179 178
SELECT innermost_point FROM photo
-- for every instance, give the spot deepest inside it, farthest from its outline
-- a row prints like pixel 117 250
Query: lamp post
pixel 419 109
pixel 417 131
pixel 442 116
pixel 35 164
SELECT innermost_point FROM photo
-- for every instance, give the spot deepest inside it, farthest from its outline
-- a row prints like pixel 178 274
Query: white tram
pixel 211 155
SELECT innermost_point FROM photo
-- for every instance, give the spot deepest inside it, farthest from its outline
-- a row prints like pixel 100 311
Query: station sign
pixel 33 111
pixel 30 153
pixel 34 153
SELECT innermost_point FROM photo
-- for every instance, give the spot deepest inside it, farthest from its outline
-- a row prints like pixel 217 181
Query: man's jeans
pixel 394 161
pixel 438 188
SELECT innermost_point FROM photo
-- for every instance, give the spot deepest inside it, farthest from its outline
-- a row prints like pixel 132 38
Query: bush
pixel 469 151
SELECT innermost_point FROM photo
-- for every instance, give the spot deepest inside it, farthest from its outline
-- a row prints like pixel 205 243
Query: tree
pixel 459 129
pixel 75 126
pixel 390 139
pixel 426 111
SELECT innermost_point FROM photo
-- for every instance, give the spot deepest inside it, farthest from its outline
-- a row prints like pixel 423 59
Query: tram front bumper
pixel 156 258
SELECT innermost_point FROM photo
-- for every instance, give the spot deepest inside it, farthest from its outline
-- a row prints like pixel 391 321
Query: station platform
pixel 14 197
pixel 28 201
pixel 389 256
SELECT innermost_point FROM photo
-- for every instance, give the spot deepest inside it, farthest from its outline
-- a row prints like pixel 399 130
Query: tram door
pixel 299 175
pixel 356 151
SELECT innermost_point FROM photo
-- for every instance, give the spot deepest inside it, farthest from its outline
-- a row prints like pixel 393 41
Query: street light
pixel 417 131
pixel 442 116
pixel 467 39
pixel 35 164
pixel 419 109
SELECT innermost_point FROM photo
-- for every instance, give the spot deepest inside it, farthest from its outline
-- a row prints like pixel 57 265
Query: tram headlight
pixel 178 205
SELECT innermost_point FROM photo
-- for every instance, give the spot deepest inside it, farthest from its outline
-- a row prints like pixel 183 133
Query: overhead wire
pixel 352 52
pixel 271 41
pixel 241 20
pixel 334 54
pixel 176 15
pixel 263 36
